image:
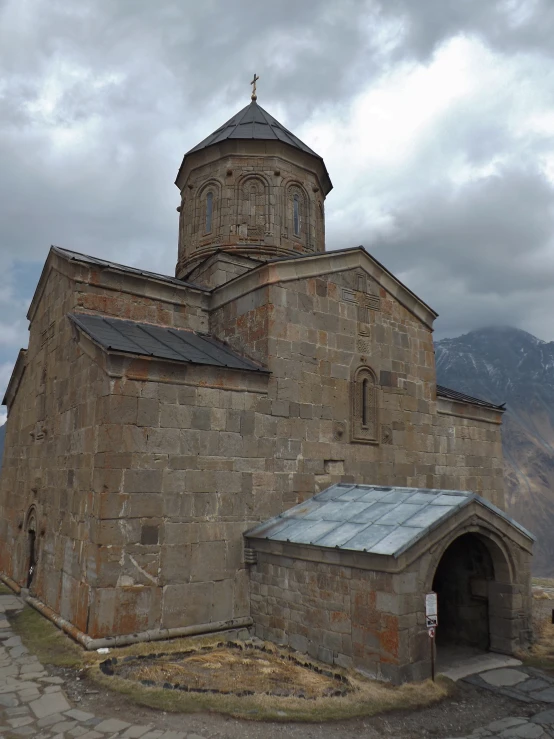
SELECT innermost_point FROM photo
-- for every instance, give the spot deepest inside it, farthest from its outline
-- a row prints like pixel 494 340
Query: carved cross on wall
pixel 365 302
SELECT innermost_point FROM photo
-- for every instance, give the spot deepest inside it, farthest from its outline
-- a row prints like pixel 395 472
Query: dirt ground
pixel 468 709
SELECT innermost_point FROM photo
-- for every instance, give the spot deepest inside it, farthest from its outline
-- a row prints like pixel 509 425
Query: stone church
pixel 258 442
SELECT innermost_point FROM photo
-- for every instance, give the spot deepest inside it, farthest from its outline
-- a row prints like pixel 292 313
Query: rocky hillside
pixel 508 365
pixel 2 435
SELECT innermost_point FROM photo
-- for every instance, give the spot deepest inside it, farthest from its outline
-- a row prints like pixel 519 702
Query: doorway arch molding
pixel 503 561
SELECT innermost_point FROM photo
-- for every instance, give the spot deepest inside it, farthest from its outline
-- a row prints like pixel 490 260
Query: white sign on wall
pixel 431 610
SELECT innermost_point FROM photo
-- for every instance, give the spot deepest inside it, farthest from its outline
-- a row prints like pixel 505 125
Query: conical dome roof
pixel 253 122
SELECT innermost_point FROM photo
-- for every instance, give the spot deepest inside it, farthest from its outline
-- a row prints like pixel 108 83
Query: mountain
pixel 504 364
pixel 2 435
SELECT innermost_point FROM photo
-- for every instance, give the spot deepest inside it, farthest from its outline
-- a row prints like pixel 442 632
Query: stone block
pixel 208 561
pixel 177 416
pixel 223 600
pixel 142 481
pixel 187 604
pixel 145 505
pixel 175 563
pixel 148 412
pixel 164 441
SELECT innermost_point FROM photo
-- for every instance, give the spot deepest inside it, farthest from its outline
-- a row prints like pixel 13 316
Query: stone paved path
pixel 524 684
pixel 33 704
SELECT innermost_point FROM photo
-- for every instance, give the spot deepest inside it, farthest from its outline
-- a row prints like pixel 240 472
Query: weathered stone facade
pixel 141 474
pixel 367 611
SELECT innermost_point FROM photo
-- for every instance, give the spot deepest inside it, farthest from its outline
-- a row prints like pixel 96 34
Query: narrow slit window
pixel 209 211
pixel 365 399
pixel 364 395
pixel 296 215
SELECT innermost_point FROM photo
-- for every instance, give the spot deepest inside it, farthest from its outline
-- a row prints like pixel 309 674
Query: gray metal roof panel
pixel 446 392
pixel 338 536
pixel 369 518
pixel 161 342
pixel 368 537
pixel 396 539
pixel 253 122
pixel 304 529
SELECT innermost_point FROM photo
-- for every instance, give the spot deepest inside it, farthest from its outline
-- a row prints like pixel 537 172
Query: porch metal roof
pixel 369 518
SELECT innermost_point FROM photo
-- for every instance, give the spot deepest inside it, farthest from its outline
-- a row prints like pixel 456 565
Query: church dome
pixel 253 122
pixel 252 189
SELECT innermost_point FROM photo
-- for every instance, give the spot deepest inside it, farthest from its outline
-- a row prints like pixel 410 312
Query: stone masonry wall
pixel 355 609
pixel 252 202
pixel 339 615
pixel 146 474
pixel 309 334
pixel 193 464
pixel 49 459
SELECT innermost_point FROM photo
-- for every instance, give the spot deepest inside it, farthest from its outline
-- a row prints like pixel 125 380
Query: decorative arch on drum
pixel 208 202
pixel 252 200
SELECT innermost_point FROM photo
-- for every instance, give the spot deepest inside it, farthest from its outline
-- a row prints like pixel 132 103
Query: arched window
pixel 296 214
pixel 209 211
pixel 364 406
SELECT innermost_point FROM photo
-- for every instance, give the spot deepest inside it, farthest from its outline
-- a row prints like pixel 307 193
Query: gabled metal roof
pixel 253 122
pixel 105 264
pixel 163 342
pixel 446 392
pixel 369 518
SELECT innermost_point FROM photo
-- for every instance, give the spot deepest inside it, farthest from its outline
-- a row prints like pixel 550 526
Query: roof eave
pixel 15 379
pixel 325 179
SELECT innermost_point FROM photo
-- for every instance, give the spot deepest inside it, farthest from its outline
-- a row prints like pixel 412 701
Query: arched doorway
pixel 32 545
pixel 461 583
pixel 474 586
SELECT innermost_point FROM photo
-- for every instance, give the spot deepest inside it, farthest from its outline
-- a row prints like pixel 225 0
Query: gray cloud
pixel 510 26
pixel 480 253
pixel 99 100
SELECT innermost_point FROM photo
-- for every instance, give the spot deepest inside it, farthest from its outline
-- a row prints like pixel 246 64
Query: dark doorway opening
pixel 32 557
pixel 461 583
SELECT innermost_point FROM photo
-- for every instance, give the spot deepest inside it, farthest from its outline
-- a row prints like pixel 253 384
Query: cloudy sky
pixel 435 118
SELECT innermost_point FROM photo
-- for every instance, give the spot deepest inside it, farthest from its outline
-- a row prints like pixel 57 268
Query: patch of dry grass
pixel 543 582
pixel 230 669
pixel 366 697
pixel 41 637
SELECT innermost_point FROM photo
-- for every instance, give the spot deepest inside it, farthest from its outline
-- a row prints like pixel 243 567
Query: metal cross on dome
pixel 253 83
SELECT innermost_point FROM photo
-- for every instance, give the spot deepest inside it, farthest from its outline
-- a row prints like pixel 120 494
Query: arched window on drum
pixel 209 211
